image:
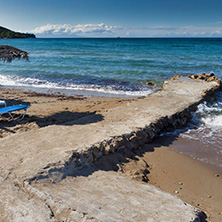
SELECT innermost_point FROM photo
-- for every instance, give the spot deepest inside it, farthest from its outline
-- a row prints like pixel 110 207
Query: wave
pixel 205 125
pixel 109 88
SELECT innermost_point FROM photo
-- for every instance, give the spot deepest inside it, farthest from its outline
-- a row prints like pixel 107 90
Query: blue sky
pixel 111 18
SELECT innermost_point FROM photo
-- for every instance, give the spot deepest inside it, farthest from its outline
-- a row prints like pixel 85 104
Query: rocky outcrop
pixel 209 77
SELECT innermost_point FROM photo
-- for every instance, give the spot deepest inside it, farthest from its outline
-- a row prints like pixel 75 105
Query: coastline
pixel 43 112
pixel 90 92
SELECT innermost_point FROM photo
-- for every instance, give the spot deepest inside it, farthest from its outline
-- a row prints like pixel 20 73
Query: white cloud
pixel 176 31
pixel 164 28
pixel 102 30
pixel 78 30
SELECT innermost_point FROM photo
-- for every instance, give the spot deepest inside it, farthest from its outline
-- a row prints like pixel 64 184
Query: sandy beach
pixel 156 163
pixel 48 109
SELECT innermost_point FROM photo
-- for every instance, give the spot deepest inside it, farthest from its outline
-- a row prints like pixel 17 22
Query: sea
pixel 121 67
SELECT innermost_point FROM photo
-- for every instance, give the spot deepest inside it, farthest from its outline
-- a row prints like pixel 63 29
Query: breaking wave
pixel 109 87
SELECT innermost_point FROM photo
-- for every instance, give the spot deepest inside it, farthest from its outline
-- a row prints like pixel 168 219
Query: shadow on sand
pixel 60 118
pixel 66 118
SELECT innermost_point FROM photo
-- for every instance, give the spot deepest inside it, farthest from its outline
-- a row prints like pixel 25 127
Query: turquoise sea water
pixel 121 67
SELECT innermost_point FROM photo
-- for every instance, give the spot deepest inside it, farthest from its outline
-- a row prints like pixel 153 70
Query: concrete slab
pixel 63 148
pixel 107 196
pixel 16 205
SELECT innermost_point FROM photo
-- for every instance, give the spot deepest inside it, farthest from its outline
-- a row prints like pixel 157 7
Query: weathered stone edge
pixel 133 140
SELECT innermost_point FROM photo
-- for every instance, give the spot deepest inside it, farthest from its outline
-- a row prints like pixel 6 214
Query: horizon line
pixel 118 37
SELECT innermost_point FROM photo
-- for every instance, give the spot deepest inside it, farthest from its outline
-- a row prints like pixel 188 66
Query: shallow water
pixel 119 66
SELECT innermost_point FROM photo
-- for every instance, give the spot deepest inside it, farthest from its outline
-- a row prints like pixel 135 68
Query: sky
pixel 112 18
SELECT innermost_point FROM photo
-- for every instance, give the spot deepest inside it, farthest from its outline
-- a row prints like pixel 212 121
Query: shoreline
pixel 87 92
pixel 43 113
pixel 199 151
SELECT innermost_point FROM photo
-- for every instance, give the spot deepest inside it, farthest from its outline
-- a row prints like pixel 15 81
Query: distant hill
pixel 9 34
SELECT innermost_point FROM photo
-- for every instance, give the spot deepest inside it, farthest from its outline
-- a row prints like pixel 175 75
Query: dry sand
pixel 48 109
pixel 156 163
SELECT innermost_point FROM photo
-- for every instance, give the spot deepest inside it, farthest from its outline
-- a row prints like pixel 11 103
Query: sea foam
pixel 84 89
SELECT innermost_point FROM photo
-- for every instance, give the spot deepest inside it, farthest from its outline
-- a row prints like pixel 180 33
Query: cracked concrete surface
pixel 103 195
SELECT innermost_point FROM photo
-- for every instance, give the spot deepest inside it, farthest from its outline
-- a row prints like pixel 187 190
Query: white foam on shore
pixel 206 125
pixel 203 134
pixel 213 121
pixel 211 115
pixel 86 90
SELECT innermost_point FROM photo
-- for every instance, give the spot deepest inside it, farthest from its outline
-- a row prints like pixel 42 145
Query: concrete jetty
pixel 50 174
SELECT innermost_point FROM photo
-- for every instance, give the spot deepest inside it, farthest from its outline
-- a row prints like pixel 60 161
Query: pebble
pixel 217 175
pixel 209 196
pixel 180 183
pixel 176 192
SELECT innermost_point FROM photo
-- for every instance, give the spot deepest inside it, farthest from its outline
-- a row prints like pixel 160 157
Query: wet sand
pixel 178 174
pixel 165 168
pixel 208 154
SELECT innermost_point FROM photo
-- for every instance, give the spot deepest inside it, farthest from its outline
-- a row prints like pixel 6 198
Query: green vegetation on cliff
pixel 8 34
